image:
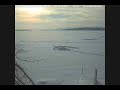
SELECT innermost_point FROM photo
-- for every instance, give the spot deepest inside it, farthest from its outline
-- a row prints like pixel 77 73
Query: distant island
pixel 23 30
pixel 86 28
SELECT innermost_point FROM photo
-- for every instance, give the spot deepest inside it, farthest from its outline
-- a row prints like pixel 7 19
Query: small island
pixel 23 30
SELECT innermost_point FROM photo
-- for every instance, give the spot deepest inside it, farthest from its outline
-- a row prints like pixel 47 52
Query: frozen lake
pixel 62 65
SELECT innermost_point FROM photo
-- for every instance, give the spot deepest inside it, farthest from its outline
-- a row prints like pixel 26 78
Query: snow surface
pixel 62 66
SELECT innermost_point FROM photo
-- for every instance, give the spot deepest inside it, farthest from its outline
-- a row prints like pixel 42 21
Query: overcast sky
pixel 53 17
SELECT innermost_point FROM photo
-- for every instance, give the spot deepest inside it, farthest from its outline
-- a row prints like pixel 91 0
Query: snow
pixel 62 66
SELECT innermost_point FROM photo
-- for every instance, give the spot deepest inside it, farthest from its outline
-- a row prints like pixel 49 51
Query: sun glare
pixel 31 13
pixel 32 10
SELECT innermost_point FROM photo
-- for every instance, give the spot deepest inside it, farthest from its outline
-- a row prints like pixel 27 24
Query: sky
pixel 45 17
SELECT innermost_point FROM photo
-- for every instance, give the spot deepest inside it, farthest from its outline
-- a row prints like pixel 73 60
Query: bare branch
pixel 20 75
pixel 24 73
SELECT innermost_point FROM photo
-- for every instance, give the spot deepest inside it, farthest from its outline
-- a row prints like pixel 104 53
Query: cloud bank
pixel 59 17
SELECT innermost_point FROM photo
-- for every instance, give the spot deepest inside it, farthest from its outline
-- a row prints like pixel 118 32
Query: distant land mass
pixel 23 30
pixel 86 28
pixel 70 29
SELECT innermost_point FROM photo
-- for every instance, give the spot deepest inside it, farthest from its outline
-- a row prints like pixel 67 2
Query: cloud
pixel 63 17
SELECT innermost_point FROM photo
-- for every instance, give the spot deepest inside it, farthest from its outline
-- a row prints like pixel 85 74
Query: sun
pixel 32 10
pixel 31 13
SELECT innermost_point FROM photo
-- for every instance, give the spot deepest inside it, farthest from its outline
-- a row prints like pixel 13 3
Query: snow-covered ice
pixel 62 66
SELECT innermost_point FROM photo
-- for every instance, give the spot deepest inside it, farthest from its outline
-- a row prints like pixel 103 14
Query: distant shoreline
pixel 71 29
pixel 86 28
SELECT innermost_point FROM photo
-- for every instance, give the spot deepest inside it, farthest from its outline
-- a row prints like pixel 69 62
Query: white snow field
pixel 62 55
